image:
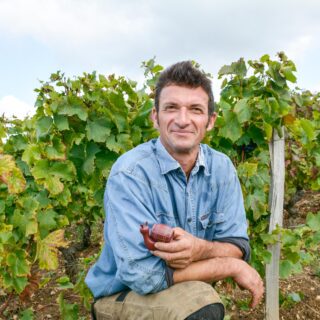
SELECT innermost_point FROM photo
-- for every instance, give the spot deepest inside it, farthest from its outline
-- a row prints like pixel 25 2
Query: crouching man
pixel 177 181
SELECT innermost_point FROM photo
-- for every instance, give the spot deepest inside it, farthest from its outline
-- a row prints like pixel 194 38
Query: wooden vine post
pixel 276 196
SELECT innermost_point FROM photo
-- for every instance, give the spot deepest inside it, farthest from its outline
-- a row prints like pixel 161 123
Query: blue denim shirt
pixel 147 184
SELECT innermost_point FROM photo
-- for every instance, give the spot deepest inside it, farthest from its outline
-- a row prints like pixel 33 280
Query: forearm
pixel 216 269
pixel 213 249
pixel 209 270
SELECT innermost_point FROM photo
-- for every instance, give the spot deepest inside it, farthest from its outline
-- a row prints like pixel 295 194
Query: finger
pixel 169 257
pixel 178 264
pixel 256 297
pixel 177 232
pixel 174 246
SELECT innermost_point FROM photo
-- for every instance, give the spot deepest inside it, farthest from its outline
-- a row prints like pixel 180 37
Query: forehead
pixel 183 95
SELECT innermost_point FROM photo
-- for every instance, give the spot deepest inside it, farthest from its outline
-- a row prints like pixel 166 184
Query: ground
pixel 307 285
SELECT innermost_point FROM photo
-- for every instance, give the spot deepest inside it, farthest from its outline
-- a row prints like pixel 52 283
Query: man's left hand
pixel 180 252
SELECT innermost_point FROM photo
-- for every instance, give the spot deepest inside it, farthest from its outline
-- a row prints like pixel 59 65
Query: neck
pixel 186 160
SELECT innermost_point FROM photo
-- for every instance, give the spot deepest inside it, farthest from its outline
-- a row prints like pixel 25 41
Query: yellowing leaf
pixel 47 249
pixel 268 130
pixel 288 119
pixel 11 175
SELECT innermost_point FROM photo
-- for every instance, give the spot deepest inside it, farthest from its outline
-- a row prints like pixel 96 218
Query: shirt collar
pixel 201 162
pixel 168 163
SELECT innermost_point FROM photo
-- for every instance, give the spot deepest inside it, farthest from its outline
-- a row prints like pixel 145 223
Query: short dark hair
pixel 186 75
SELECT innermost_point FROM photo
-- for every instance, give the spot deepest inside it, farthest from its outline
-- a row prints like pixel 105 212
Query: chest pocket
pixel 208 224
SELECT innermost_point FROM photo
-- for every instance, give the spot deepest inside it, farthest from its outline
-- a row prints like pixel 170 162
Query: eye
pixel 197 110
pixel 170 107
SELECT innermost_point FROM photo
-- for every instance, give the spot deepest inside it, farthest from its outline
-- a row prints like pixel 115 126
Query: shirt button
pixel 189 220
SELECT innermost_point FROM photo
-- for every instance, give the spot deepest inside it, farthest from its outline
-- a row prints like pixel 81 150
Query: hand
pixel 248 278
pixel 180 252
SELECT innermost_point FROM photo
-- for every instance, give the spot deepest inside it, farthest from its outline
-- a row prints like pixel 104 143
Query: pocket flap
pixel 208 219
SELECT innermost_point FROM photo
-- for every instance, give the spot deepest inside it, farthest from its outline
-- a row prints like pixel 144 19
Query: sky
pixel 39 37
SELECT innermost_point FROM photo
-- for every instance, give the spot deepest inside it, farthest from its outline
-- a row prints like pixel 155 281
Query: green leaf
pixel 232 128
pixel 61 122
pixel 124 141
pixel 64 283
pixel 105 159
pixel 265 58
pixel 50 174
pixel 17 283
pixel 74 106
pixel 64 197
pixel 266 255
pixel 268 130
pixel 288 238
pixel 43 126
pixel 286 268
pixel 308 128
pixel 67 311
pixel 294 257
pixel 91 150
pixel 313 221
pixel 247 169
pixel 240 68
pixel 26 314
pixel 25 218
pixel 56 150
pixel 64 170
pixel 112 144
pixel 224 106
pixel 269 238
pixel 136 135
pixel 97 130
pixel 17 263
pixel 288 74
pixel 242 110
pixel 47 221
pixel 225 70
pixel 32 153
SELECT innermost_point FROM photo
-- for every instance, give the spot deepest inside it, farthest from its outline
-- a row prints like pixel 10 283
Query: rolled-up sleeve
pixel 128 204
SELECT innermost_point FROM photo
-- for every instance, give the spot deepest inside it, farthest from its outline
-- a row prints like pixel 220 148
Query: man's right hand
pixel 248 278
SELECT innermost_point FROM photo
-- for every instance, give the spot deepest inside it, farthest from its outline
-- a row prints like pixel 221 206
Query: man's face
pixel 182 118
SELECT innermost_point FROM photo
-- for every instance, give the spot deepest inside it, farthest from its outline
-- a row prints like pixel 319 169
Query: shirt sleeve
pixel 242 244
pixel 230 208
pixel 128 204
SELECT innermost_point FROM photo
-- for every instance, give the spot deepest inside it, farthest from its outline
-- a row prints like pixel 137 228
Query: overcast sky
pixel 39 37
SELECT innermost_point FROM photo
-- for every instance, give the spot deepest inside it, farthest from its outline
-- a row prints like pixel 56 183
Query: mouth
pixel 182 133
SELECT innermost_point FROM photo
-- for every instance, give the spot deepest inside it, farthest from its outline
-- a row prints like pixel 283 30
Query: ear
pixel 154 118
pixel 211 121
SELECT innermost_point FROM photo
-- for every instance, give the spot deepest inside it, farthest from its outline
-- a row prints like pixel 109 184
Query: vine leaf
pixel 11 175
pixel 47 249
pixel 68 311
pixel 313 221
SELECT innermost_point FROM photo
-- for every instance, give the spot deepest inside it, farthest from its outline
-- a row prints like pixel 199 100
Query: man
pixel 178 181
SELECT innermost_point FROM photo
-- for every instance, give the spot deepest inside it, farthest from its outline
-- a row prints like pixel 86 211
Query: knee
pixel 214 311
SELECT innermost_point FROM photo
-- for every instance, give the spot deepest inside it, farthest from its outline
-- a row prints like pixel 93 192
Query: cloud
pixel 73 23
pixel 112 36
pixel 12 106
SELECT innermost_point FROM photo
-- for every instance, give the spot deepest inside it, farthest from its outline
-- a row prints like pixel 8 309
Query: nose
pixel 182 119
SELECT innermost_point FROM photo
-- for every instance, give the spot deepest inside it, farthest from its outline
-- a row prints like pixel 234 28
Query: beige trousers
pixel 174 303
